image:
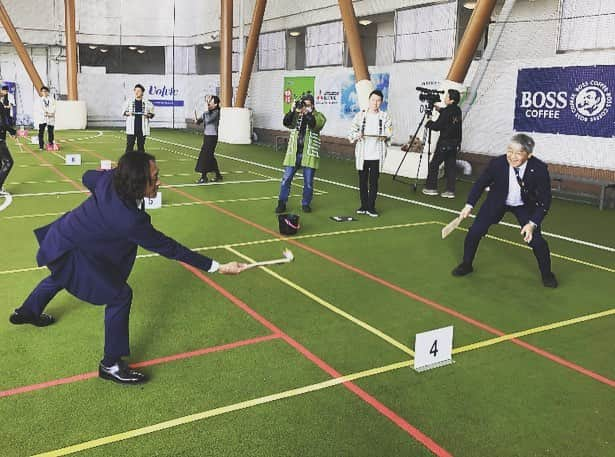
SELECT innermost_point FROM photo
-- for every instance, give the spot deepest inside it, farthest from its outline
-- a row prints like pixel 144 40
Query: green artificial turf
pixel 501 400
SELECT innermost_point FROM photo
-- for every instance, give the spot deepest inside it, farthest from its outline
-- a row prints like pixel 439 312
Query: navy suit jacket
pixel 537 198
pixel 92 249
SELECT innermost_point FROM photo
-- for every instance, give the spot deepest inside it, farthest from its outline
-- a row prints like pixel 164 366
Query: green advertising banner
pixel 295 87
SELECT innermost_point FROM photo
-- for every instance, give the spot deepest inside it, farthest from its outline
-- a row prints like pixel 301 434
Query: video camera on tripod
pixel 429 96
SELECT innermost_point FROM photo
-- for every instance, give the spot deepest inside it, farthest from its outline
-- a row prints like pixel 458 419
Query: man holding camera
pixel 449 126
pixel 303 150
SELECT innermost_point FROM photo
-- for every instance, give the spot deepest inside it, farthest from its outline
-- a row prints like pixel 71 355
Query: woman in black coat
pixel 207 161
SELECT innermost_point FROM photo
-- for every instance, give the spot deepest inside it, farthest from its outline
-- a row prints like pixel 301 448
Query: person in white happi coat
pixel 371 130
pixel 138 113
pixel 45 116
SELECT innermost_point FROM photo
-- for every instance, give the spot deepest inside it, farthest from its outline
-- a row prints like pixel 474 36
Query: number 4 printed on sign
pixel 433 349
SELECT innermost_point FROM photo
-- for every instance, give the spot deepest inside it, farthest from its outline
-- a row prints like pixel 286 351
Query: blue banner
pixel 156 102
pixel 169 96
pixel 350 102
pixel 566 100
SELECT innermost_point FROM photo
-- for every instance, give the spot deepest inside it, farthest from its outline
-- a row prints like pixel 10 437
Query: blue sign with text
pixel 566 100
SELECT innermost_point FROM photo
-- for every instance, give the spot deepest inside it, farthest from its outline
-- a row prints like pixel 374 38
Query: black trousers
pixel 207 160
pixel 487 217
pixel 368 183
pixel 447 154
pixel 6 162
pixel 117 313
pixel 41 134
pixel 130 142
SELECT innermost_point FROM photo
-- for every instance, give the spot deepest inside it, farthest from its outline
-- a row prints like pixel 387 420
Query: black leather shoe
pixel 43 320
pixel 281 207
pixel 462 269
pixel 120 373
pixel 549 281
pixel 307 209
pixel 202 180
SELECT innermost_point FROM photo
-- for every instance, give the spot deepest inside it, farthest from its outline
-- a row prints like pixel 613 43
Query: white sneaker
pixel 447 194
pixel 372 213
pixel 427 191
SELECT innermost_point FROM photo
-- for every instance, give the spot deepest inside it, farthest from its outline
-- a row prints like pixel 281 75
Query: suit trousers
pixel 117 313
pixel 368 184
pixel 130 142
pixel 487 217
pixel 41 134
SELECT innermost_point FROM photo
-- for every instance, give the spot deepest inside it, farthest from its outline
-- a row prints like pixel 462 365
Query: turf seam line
pixel 146 363
pixel 379 333
pixel 410 294
pixel 395 197
pixel 223 410
pixel 362 394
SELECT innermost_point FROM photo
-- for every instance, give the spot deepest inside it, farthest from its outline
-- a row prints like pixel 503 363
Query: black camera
pixel 299 104
pixel 429 96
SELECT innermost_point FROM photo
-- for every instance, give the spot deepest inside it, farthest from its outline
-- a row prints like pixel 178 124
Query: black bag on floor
pixel 289 224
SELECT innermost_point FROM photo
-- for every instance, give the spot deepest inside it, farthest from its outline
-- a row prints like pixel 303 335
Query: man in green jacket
pixel 303 150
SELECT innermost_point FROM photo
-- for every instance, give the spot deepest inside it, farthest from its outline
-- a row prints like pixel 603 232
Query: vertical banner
pixel 566 100
pixel 294 88
pixel 349 98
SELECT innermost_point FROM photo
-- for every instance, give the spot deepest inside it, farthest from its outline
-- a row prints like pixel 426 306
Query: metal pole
pixel 469 42
pixel 226 53
pixel 248 60
pixel 20 48
pixel 71 49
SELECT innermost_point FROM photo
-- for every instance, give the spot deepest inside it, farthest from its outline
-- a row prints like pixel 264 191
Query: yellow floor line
pixel 532 331
pixel 222 410
pixel 331 307
pixel 301 390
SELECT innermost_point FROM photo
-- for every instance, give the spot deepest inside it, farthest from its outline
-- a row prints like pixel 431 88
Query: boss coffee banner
pixel 566 100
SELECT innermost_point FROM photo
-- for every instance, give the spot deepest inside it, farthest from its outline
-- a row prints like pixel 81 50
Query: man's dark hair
pixel 140 87
pixel 526 142
pixel 216 100
pixel 45 88
pixel 5 87
pixel 454 95
pixel 132 175
pixel 377 92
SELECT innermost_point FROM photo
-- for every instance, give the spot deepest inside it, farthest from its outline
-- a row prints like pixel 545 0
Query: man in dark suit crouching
pixel 91 250
pixel 518 183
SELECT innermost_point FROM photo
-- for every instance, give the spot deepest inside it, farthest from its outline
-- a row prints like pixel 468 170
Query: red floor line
pixel 40 158
pixel 431 303
pixel 366 397
pixel 146 363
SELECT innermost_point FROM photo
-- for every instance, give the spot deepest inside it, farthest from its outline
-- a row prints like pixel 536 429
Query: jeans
pixel 308 183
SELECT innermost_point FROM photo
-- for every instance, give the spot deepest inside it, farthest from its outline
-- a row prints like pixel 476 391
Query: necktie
pixel 524 191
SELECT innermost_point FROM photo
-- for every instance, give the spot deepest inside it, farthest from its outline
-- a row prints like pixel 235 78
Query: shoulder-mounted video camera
pixel 429 96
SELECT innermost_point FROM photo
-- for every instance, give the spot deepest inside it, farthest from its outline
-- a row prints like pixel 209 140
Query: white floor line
pixel 8 199
pixel 395 197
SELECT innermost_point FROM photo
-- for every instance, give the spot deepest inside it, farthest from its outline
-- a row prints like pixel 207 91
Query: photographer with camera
pixel 303 150
pixel 449 126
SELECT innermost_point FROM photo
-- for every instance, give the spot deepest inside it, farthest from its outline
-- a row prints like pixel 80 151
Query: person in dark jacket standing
pixel 518 183
pixel 449 126
pixel 91 251
pixel 207 160
pixel 6 161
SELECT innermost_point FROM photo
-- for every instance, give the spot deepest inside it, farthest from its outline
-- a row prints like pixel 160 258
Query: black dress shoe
pixel 43 320
pixel 202 180
pixel 120 373
pixel 549 281
pixel 462 269
pixel 307 209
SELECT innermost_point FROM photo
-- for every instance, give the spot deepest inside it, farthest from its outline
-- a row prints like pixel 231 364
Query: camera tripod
pixel 426 141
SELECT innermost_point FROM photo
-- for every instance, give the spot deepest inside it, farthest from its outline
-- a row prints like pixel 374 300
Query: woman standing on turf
pixel 207 160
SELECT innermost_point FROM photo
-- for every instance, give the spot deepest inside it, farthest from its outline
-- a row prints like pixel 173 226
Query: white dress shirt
pixel 514 189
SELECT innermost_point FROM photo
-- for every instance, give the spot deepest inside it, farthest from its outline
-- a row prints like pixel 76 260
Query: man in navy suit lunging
pixel 518 183
pixel 91 251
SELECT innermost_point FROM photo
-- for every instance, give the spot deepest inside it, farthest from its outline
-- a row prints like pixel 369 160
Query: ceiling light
pixel 469 5
pixel 365 22
pixel 92 46
pixel 294 33
pixel 132 48
pixel 104 50
pixel 141 51
pixel 207 46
